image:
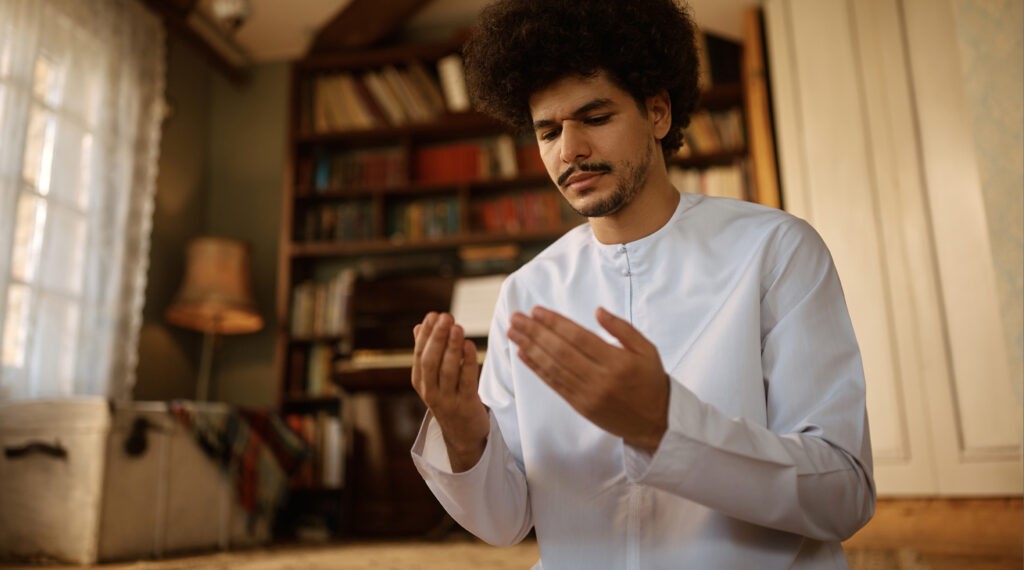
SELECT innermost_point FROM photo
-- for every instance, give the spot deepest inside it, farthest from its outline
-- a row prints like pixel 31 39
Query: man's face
pixel 594 140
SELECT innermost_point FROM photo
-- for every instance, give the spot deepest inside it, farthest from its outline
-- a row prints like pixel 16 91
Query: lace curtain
pixel 81 101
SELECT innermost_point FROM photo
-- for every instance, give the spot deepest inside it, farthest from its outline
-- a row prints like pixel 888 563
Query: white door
pixel 874 150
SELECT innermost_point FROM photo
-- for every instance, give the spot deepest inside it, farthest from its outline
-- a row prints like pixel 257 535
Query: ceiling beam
pixel 362 23
pixel 186 19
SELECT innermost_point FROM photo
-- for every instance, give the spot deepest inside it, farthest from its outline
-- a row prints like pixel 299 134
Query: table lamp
pixel 215 297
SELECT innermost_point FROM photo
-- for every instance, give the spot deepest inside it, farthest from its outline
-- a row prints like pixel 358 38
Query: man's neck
pixel 644 215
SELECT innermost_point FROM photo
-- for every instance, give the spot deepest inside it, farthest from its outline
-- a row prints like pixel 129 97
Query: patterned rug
pixel 411 555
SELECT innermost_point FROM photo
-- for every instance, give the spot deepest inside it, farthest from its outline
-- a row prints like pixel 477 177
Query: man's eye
pixel 598 120
pixel 550 135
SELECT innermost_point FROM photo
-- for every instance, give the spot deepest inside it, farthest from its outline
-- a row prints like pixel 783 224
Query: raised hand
pixel 445 374
pixel 622 390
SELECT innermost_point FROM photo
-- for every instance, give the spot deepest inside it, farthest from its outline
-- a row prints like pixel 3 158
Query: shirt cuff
pixel 676 451
pixel 429 445
pixel 430 452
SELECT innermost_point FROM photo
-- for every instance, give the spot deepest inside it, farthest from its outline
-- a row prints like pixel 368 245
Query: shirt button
pixel 626 272
pixel 622 249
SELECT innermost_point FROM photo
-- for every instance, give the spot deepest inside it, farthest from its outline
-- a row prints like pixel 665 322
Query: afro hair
pixel 519 47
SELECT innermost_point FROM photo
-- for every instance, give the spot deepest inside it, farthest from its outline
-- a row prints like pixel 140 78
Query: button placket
pixel 628 274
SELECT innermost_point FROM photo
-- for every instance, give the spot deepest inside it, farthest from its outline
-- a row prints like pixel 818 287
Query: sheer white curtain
pixel 81 100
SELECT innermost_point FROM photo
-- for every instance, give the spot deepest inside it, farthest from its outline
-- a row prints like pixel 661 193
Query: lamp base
pixel 205 366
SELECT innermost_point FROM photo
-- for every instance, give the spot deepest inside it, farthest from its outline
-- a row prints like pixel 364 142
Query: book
pixel 333 474
pixel 323 113
pixel 428 86
pixel 724 181
pixel 370 359
pixel 414 108
pixel 452 73
pixel 380 117
pixel 489 259
pixel 702 135
pixel 528 158
pixel 385 97
pixel 504 151
pixel 357 114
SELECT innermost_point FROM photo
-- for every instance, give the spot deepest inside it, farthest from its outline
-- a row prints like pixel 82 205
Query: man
pixel 675 384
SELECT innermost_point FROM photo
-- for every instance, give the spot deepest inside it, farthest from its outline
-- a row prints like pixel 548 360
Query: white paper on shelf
pixel 473 302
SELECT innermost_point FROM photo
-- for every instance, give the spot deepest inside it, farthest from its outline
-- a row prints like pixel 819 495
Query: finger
pixel 587 342
pixel 631 339
pixel 451 363
pixel 547 354
pixel 556 379
pixel 470 374
pixel 562 338
pixel 434 342
pixel 422 332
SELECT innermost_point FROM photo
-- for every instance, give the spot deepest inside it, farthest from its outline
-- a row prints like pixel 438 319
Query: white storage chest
pixel 82 481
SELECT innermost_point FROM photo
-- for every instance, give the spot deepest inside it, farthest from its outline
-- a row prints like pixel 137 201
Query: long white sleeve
pixel 808 470
pixel 490 499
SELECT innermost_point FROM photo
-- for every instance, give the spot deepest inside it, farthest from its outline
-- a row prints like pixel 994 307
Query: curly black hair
pixel 518 47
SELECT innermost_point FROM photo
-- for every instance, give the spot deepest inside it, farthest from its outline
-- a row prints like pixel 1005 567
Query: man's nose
pixel 574 143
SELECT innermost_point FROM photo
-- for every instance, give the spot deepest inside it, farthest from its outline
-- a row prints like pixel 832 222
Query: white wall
pixel 877 151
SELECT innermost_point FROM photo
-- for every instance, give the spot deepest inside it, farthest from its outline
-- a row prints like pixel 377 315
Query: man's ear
pixel 659 113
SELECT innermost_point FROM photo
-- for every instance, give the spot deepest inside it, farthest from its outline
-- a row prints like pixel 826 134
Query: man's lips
pixel 581 173
pixel 581 177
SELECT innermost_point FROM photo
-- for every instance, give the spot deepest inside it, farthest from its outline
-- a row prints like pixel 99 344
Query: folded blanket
pixel 253 446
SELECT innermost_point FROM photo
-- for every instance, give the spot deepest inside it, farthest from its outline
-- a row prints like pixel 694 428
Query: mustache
pixel 584 167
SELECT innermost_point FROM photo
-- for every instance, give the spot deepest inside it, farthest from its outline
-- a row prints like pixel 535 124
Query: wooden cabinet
pixel 384 210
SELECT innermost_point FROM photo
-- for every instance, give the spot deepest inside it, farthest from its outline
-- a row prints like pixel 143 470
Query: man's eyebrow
pixel 591 106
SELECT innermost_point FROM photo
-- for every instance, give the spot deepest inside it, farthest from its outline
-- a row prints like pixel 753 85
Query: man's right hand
pixel 445 373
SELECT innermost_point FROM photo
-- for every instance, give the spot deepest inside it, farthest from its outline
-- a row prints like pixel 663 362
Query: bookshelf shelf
pixel 370 247
pixel 451 125
pixel 309 404
pixel 721 96
pixel 318 339
pixel 375 379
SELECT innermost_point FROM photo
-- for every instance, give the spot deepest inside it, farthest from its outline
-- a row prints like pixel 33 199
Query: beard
pixel 635 176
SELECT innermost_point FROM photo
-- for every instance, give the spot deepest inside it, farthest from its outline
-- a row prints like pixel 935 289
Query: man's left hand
pixel 623 390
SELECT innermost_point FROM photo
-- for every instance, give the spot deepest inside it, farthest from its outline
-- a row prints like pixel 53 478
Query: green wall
pixel 169 356
pixel 221 173
pixel 248 143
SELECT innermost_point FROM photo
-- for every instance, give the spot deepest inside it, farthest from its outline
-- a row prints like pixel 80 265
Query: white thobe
pixel 766 462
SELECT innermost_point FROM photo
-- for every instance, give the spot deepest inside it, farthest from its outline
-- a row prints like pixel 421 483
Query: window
pixel 80 92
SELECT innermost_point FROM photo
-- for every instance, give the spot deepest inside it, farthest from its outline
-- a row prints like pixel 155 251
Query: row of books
pixel 531 210
pixel 388 96
pixel 724 181
pixel 423 219
pixel 340 171
pixel 382 168
pixel 429 218
pixel 321 308
pixel 326 437
pixel 714 131
pixel 466 161
pixel 345 221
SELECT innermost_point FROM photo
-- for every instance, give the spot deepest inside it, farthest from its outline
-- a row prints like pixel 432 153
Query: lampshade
pixel 216 295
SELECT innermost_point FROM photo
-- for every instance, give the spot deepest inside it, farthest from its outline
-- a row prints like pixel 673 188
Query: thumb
pixel 630 338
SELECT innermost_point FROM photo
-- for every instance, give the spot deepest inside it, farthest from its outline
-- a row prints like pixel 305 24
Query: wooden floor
pixel 903 535
pixel 941 534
